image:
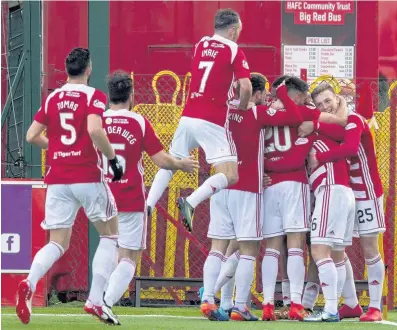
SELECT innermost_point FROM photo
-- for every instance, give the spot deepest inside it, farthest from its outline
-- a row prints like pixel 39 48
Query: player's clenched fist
pixel 116 168
pixel 188 164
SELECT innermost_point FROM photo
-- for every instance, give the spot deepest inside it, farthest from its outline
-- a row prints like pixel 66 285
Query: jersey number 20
pixel 274 132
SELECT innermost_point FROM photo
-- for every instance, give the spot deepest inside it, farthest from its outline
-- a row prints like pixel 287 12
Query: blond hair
pixel 322 87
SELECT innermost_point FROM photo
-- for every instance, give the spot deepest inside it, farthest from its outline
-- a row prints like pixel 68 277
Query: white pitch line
pixel 132 316
pixel 394 324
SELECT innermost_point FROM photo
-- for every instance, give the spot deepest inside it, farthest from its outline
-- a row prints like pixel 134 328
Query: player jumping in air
pixel 217 62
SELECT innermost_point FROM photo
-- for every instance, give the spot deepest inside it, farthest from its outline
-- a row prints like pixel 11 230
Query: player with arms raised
pixel 72 117
pixel 130 134
pixel 236 212
pixel 358 147
pixel 217 62
pixel 287 200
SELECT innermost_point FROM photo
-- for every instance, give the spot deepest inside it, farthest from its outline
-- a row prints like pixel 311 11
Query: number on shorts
pixel 314 224
pixel 105 163
pixel 368 215
pixel 274 131
pixel 64 116
pixel 207 66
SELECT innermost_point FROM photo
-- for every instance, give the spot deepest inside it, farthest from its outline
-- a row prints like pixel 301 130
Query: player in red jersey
pixel 287 202
pixel 72 118
pixel 236 212
pixel 332 223
pixel 217 62
pixel 130 135
pixel 359 148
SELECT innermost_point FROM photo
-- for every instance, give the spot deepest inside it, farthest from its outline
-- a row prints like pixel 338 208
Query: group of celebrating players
pixel 262 146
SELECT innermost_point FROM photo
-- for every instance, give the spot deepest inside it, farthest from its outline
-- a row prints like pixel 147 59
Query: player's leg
pixel 269 275
pixel 338 256
pixel 220 230
pixel 285 283
pixel 324 235
pixel 282 313
pixel 296 210
pixel 312 288
pixel 274 235
pixel 220 152
pixel 351 308
pixel 181 145
pixel 296 273
pixel 332 226
pixel 132 241
pixel 60 212
pixel 244 278
pixel 226 279
pixel 159 185
pixel 100 208
pixel 246 209
pixel 371 223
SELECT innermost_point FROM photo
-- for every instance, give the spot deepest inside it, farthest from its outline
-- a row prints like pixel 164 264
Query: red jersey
pixel 358 147
pixel 217 62
pixel 72 156
pixel 329 173
pixel 286 152
pixel 248 133
pixel 130 135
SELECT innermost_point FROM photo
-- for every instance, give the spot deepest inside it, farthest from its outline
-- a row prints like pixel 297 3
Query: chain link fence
pixel 172 252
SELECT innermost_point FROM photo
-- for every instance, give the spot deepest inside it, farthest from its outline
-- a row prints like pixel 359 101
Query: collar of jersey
pixel 121 111
pixel 222 39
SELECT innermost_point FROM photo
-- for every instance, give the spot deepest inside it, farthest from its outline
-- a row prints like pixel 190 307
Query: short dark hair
pixel 119 86
pixel 292 83
pixel 77 61
pixel 225 18
pixel 258 83
pixel 279 80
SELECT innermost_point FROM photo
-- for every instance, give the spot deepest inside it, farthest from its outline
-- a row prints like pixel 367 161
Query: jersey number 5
pixel 65 139
pixel 207 66
pixel 105 163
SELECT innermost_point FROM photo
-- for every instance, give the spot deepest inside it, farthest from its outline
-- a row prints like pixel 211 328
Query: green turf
pixel 134 318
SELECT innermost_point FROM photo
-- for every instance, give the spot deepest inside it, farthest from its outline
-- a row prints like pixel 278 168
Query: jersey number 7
pixel 207 66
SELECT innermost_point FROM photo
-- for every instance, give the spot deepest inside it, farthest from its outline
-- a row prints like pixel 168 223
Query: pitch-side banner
pixel 16 227
pixel 319 36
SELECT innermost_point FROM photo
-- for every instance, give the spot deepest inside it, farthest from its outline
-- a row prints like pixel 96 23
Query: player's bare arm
pixel 245 93
pixel 167 162
pixel 34 135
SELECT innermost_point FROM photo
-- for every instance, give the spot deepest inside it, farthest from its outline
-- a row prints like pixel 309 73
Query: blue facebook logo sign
pixel 16 227
pixel 10 243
